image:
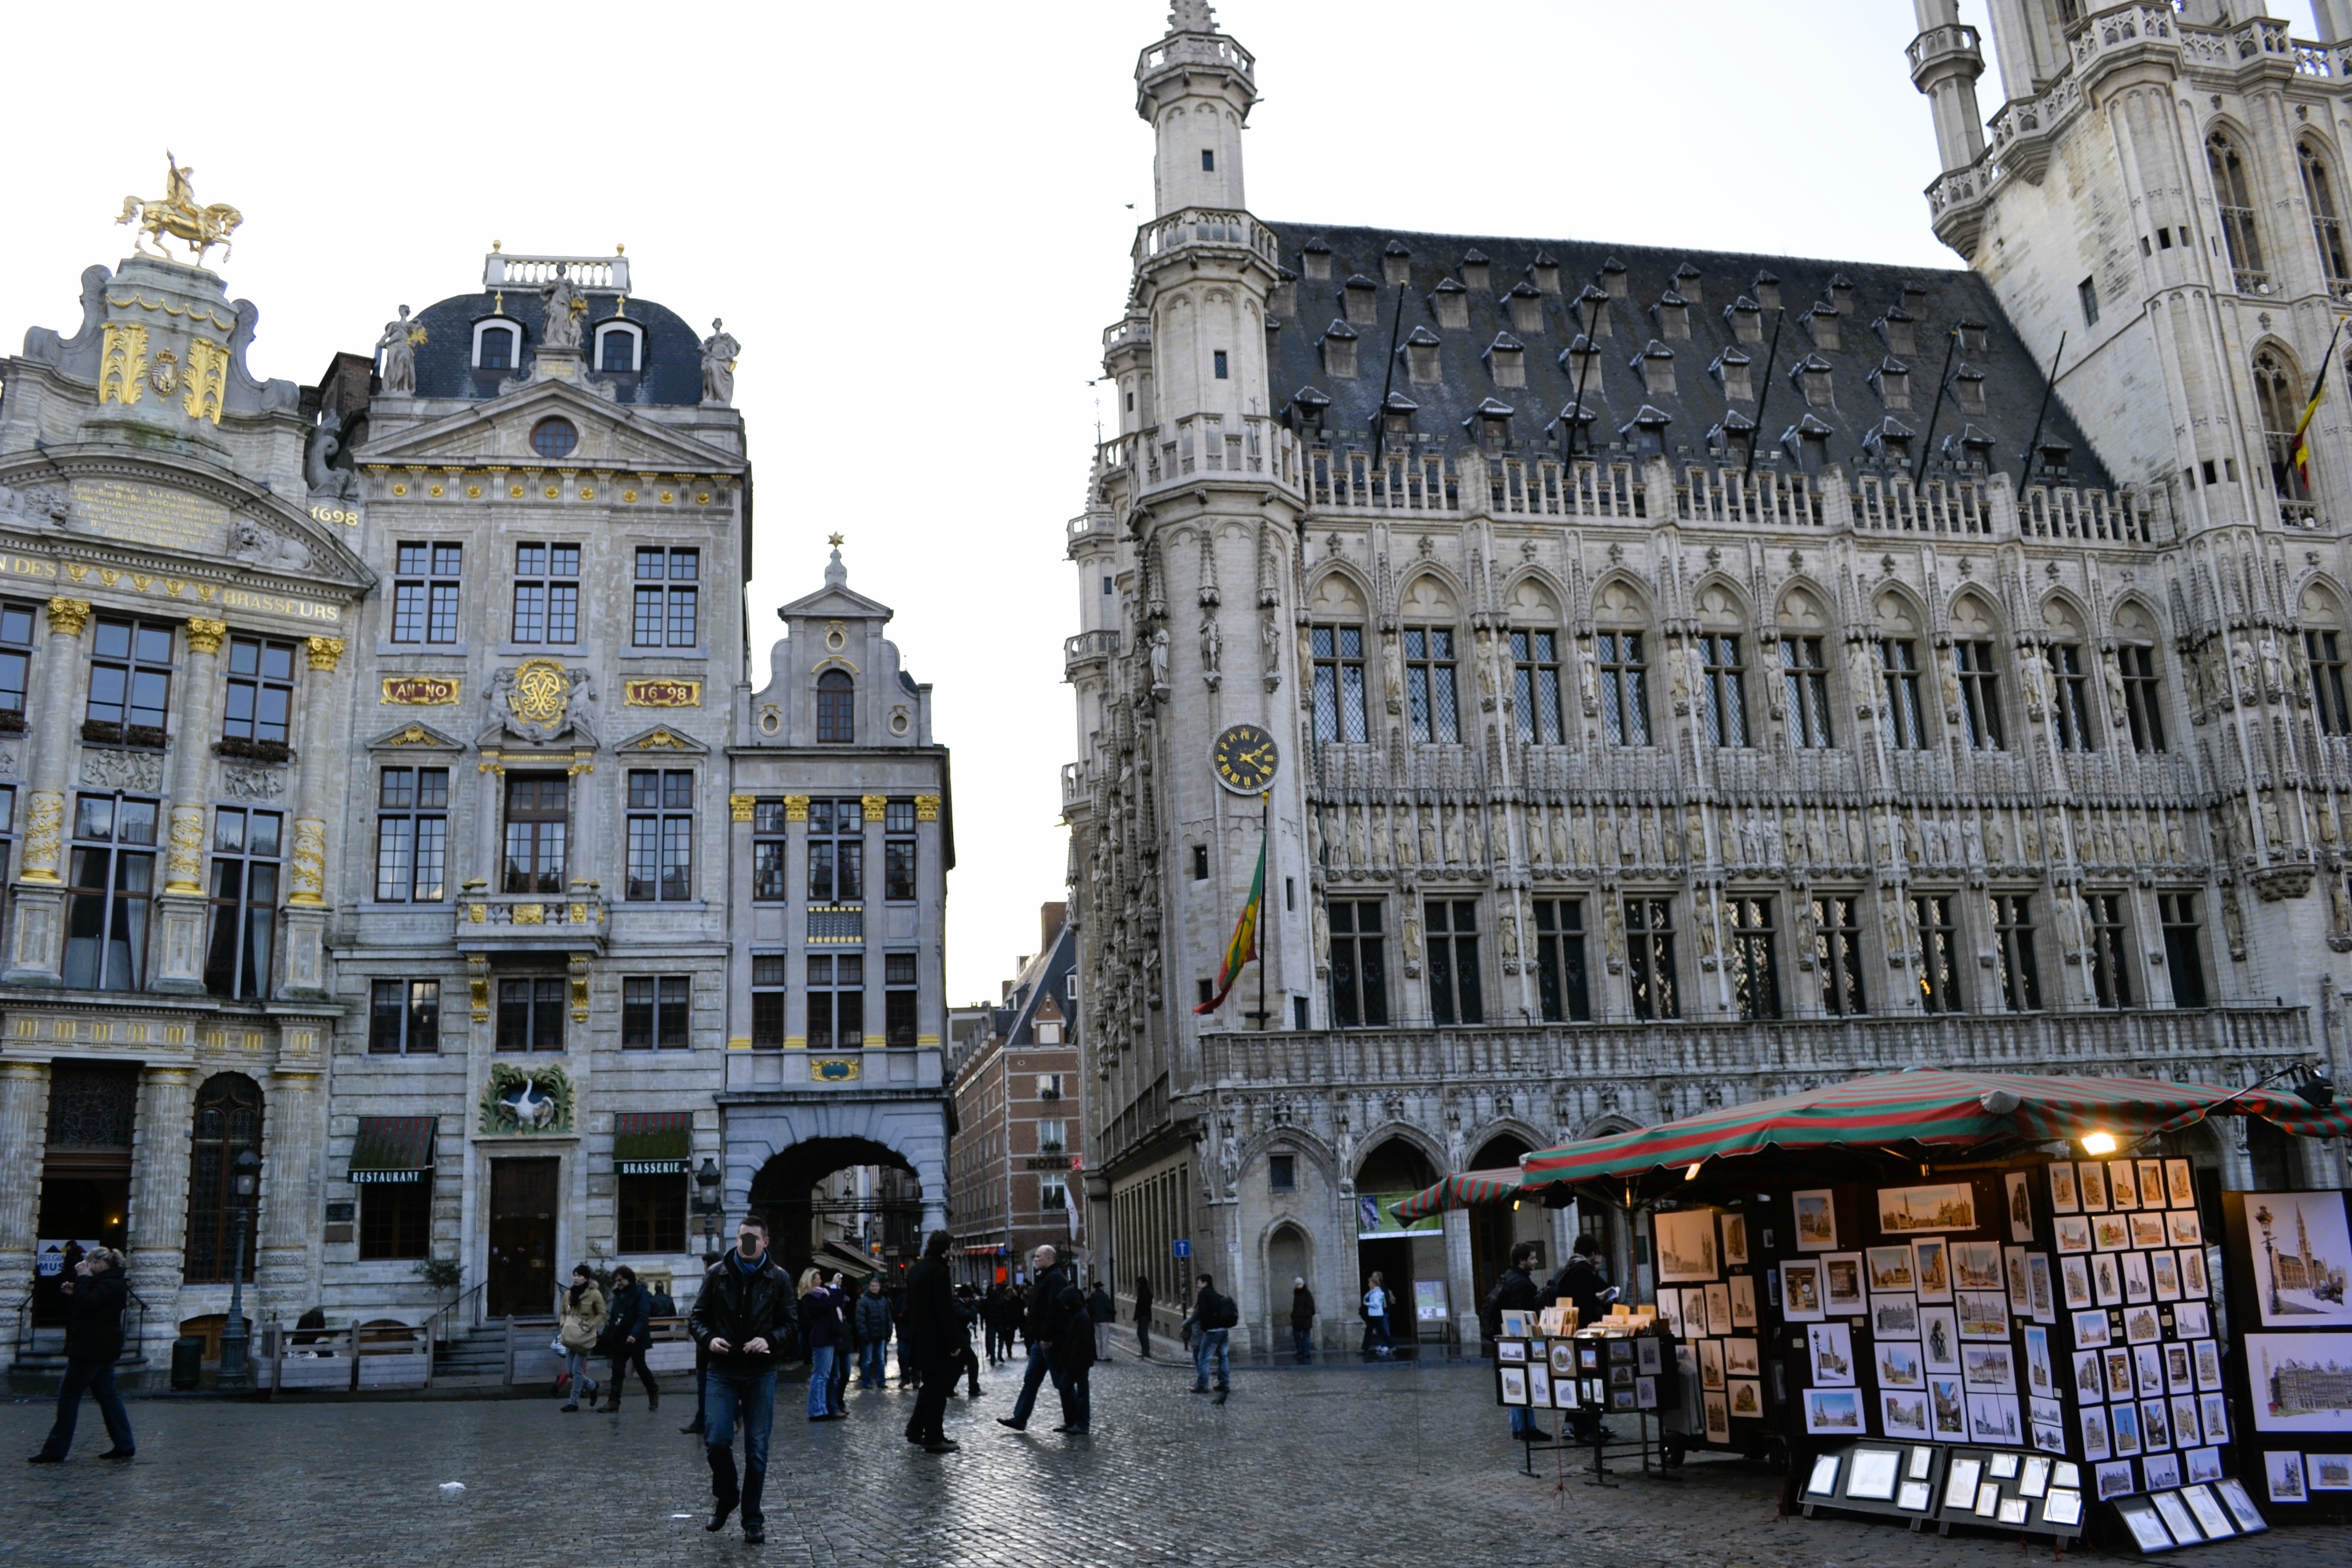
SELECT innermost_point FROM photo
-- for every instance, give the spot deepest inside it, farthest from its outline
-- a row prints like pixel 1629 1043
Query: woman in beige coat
pixel 581 1322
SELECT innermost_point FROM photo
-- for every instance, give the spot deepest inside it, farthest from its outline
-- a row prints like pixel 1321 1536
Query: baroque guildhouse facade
pixel 1684 690
pixel 842 832
pixel 533 875
pixel 175 623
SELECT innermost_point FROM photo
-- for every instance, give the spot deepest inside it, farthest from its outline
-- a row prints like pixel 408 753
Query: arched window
pixel 836 709
pixel 1624 667
pixel 2326 228
pixel 498 345
pixel 227 1122
pixel 2275 390
pixel 2139 663
pixel 2237 203
pixel 618 348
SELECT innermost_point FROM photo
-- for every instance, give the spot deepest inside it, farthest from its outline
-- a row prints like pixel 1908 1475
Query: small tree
pixel 443 1274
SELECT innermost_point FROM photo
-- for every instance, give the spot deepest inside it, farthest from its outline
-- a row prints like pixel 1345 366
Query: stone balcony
pixel 1088 650
pixel 491 922
pixel 1209 229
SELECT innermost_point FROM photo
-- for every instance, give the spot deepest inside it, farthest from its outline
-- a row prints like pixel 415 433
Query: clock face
pixel 1245 758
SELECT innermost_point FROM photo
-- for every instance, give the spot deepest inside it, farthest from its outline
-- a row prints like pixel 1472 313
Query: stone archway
pixel 1494 1228
pixel 1395 1167
pixel 786 1192
pixel 1289 1255
pixel 779 1144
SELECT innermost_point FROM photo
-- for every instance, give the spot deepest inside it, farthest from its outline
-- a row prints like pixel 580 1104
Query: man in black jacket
pixel 629 1329
pixel 742 1319
pixel 932 1337
pixel 94 1298
pixel 1515 1291
pixel 1042 1327
pixel 1581 1282
pixel 1214 1317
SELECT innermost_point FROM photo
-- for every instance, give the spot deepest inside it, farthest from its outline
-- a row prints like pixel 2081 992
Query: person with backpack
pixel 1043 1325
pixel 1514 1291
pixel 1214 1317
pixel 1074 1360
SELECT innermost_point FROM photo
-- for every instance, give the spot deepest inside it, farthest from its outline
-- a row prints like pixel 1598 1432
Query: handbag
pixel 557 1347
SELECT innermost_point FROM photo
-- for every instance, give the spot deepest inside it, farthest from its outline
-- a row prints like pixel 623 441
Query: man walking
pixel 873 1335
pixel 932 1337
pixel 1103 1313
pixel 1302 1320
pixel 1214 1317
pixel 94 1297
pixel 1042 1324
pixel 742 1317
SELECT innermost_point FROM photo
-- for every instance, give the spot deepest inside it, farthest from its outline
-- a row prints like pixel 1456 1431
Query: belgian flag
pixel 1243 949
pixel 2303 426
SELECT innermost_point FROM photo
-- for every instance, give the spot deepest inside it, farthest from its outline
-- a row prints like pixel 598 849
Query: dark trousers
pixel 1078 1398
pixel 927 1423
pixel 1040 1364
pixel 98 1377
pixel 972 1370
pixel 623 1359
pixel 1143 1336
pixel 1302 1344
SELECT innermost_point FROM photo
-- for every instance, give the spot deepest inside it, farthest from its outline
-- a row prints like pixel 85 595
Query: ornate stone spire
pixel 1192 17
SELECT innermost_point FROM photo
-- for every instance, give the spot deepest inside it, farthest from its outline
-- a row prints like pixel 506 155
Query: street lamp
pixel 708 1203
pixel 235 1373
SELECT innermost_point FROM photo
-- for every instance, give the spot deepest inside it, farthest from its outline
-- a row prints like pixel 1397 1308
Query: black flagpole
pixel 1771 357
pixel 1936 410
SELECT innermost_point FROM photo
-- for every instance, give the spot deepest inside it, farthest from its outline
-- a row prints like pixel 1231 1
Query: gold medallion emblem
pixel 164 375
pixel 540 689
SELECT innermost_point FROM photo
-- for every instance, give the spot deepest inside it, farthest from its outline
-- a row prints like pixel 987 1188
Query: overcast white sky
pixel 915 217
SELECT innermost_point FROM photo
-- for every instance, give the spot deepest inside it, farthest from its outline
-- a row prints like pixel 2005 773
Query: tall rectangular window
pixel 7 833
pixel 2020 978
pixel 1534 676
pixel 836 852
pixel 1804 670
pixel 1899 664
pixel 1939 948
pixel 899 998
pixel 2327 682
pixel 530 1015
pixel 1339 683
pixel 768 859
pixel 1429 685
pixel 768 1000
pixel 1359 985
pixel 2110 969
pixel 245 902
pixel 836 1001
pixel 2184 948
pixel 1624 689
pixel 1650 958
pixel 666 598
pixel 110 892
pixel 898 851
pixel 2086 294
pixel 404 1017
pixel 651 1209
pixel 424 592
pixel 130 681
pixel 1723 697
pixel 2071 701
pixel 1837 953
pixel 411 835
pixel 16 663
pixel 2143 697
pixel 547 591
pixel 661 834
pixel 1980 696
pixel 1454 994
pixel 539 819
pixel 260 692
pixel 654 1011
pixel 396 1217
pixel 1755 957
pixel 1560 985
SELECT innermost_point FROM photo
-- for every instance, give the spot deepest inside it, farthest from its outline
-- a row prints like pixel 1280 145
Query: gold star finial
pixel 835 541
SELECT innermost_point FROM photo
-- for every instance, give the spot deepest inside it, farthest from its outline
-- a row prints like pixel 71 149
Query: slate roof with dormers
pixel 671 372
pixel 1937 298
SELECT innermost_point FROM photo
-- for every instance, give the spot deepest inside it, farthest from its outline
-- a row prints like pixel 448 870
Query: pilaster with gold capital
pixel 298 1128
pixel 183 864
pixel 50 763
pixel 23 1134
pixel 158 1217
pixel 306 859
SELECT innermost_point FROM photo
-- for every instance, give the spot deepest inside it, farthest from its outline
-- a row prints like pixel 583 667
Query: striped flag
pixel 1242 948
pixel 2303 426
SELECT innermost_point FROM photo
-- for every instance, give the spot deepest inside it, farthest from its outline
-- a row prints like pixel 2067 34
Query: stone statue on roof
pixel 719 352
pixel 399 345
pixel 565 305
pixel 1192 17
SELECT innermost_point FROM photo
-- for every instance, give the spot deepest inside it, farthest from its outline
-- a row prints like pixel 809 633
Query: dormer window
pixel 1396 264
pixel 1968 386
pixel 1813 377
pixel 1396 416
pixel 1451 305
pixel 1673 316
pixel 1593 311
pixel 1686 283
pixel 1807 440
pixel 1842 292
pixel 1645 433
pixel 1890 440
pixel 1576 361
pixel 1506 360
pixel 1612 277
pixel 1575 421
pixel 1283 300
pixel 1316 261
pixel 1311 404
pixel 1339 349
pixel 1526 309
pixel 1893 380
pixel 1656 365
pixel 497 345
pixel 1477 272
pixel 1747 319
pixel 1971 446
pixel 1767 291
pixel 1421 355
pixel 1973 337
pixel 620 347
pixel 1733 370
pixel 1546 272
pixel 1900 330
pixel 1360 299
pixel 1821 321
pixel 1493 420
pixel 1734 439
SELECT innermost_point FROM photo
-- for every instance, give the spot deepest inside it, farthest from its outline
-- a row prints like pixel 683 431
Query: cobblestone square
pixel 1340 1466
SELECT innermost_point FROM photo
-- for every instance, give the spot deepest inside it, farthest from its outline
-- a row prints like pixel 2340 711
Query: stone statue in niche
pixel 1212 650
pixel 2115 707
pixel 718 352
pixel 1160 661
pixel 1613 932
pixel 399 345
pixel 1392 673
pixel 2233 924
pixel 565 305
pixel 1808 932
pixel 1413 940
pixel 1269 643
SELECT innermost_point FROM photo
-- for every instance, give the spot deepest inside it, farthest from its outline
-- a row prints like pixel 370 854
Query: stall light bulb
pixel 1691 1174
pixel 2098 1144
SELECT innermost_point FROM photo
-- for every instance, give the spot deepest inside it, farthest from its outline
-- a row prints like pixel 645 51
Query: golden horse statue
pixel 175 212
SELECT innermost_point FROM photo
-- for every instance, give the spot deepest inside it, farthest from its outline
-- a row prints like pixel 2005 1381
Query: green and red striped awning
pixel 1462 1189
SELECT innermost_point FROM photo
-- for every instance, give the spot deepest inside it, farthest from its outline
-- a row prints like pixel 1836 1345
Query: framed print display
pixel 1931 1266
pixel 1989 1367
pixel 2033 1479
pixel 1743 1301
pixel 2021 1302
pixel 2004 1467
pixel 2041 1375
pixel 2208 1356
pixel 2123 1419
pixel 1647 1361
pixel 2113 1479
pixel 1645 1394
pixel 1718 1417
pixel 1984 1314
pixel 1993 1419
pixel 2187 1428
pixel 2211 1517
pixel 1939 1336
pixel 1903 1413
pixel 2147 1228
pixel 1833 1412
pixel 2013 1510
pixel 2328 1472
pixel 1670 1312
pixel 1719 1309
pixel 1889 1269
pixel 1816 1220
pixel 1823 1482
pixel 1562 1356
pixel 2064 1199
pixel 2108 1279
pixel 1948 1408
pixel 2041 1299
pixel 1746 1397
pixel 1915 1497
pixel 2063 1506
pixel 1960 1482
pixel 1513 1384
pixel 2204 1464
pixel 1801 1289
pixel 2047 1417
pixel 1907 1211
pixel 1830 1347
pixel 2160 1472
pixel 2155 1424
pixel 2072 1232
pixel 1918 1465
pixel 1735 1239
pixel 2302 1383
pixel 1842 1283
pixel 1871 1473
pixel 2074 1281
pixel 2182 1227
pixel 2111 1232
pixel 1894 1317
pixel 2179 1372
pixel 2136 1285
pixel 2301 1255
pixel 2284 1470
pixel 2147 1526
pixel 2021 1206
pixel 1507 1351
pixel 1710 1364
pixel 2090 1178
pixel 2241 1504
pixel 2164 1273
pixel 2175 1516
pixel 2090 1387
pixel 2123 1185
pixel 2141 1325
pixel 2121 1381
pixel 1687 1250
pixel 2178 1190
pixel 1899 1366
pixel 1741 1358
pixel 1540 1387
pixel 1695 1313
pixel 2093 1420
pixel 2150 1175
pixel 2193 1279
pixel 1977 1266
pixel 2192 1320
pixel 2091 1329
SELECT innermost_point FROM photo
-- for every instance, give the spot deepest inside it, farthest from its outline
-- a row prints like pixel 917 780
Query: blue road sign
pixel 1182 1247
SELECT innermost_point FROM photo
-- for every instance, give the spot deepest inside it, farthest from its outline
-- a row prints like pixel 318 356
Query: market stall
pixel 1966 1298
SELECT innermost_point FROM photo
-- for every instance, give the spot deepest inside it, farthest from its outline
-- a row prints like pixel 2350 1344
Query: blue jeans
pixel 1209 1349
pixel 873 1363
pixel 1523 1420
pixel 98 1377
pixel 725 1396
pixel 1376 1329
pixel 1302 1344
pixel 1041 1365
pixel 582 1384
pixel 820 1398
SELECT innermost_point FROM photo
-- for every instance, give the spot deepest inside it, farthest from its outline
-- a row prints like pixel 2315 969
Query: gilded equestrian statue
pixel 175 212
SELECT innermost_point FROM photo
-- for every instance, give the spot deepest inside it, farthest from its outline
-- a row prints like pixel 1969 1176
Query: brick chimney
pixel 1049 925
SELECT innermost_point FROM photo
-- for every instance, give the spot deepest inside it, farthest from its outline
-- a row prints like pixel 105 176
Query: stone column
pixel 294 1128
pixel 157 1255
pixel 40 895
pixel 877 808
pixel 184 908
pixel 1461 1285
pixel 23 1134
pixel 305 972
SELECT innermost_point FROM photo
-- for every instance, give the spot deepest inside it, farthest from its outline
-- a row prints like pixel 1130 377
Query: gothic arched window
pixel 2275 387
pixel 2326 228
pixel 2237 203
pixel 227 1122
pixel 836 709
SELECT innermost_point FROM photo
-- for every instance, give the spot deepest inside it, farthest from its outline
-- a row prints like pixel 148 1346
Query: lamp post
pixel 708 1203
pixel 236 1373
pixel 2270 1252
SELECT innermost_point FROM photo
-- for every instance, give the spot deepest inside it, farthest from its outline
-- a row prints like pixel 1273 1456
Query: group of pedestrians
pixel 587 1327
pixel 1580 1281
